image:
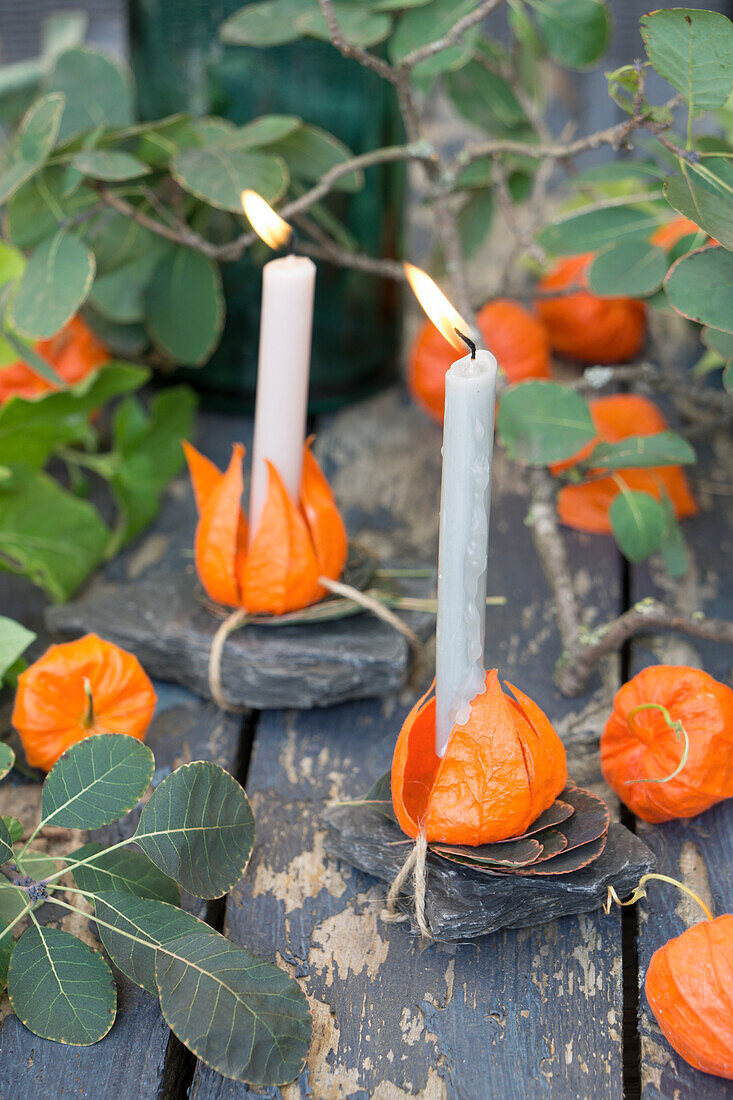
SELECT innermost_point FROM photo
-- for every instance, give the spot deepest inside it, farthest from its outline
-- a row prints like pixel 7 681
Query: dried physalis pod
pixel 501 769
pixel 78 689
pixel 667 749
pixel 278 568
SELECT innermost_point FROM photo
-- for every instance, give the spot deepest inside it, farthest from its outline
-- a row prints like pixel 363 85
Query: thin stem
pixel 15 920
pixel 640 892
pixel 677 728
pixel 81 862
pixel 454 35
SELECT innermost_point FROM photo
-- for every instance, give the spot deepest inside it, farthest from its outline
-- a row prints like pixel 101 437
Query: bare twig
pixel 386 269
pixel 356 53
pixel 552 553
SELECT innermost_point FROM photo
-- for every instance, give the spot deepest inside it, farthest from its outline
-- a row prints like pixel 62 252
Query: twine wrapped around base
pixel 231 623
pixel 416 866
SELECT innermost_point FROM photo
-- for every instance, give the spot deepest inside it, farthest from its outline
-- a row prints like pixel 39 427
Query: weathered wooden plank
pixel 697 851
pixel 535 1012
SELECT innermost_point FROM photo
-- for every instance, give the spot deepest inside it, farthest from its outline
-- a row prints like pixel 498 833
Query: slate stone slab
pixel 462 904
pixel 263 667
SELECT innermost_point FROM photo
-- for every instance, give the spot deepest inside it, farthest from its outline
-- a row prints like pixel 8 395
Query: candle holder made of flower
pixel 497 835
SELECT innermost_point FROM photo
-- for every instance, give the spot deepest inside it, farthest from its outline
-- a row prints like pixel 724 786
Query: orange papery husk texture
pixel 646 748
pixel 689 986
pixel 73 353
pixel 582 326
pixel 509 330
pixel 278 569
pixel 585 507
pixel 671 233
pixel 51 701
pixel 501 769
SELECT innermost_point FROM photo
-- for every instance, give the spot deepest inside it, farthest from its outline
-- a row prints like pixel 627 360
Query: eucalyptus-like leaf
pixel 270 23
pixel 592 230
pixel 60 988
pixel 97 781
pixel 6 843
pixel 40 126
pixel 111 165
pixel 719 342
pixel 198 828
pixel 704 193
pixel 700 287
pixel 56 281
pixel 6 950
pixel 638 522
pixel 98 90
pixel 122 869
pixel 693 50
pixel 632 269
pixel 661 449
pixel 543 422
pixel 14 826
pixel 217 174
pixel 14 640
pixel 310 152
pixel 575 32
pixel 184 307
pixel 673 547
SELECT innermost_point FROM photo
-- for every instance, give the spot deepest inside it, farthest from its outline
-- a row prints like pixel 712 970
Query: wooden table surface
pixel 557 1011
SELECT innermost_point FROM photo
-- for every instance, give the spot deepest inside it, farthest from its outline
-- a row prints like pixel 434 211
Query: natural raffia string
pixel 376 608
pixel 231 623
pixel 416 866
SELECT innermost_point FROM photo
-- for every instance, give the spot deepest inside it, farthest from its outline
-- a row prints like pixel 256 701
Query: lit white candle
pixel 468 443
pixel 286 321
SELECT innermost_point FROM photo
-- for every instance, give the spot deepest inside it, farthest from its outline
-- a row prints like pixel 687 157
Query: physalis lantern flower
pixel 277 569
pixel 74 352
pixel 78 689
pixel 501 769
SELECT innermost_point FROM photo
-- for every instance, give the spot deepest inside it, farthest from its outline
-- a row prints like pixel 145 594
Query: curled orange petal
pixel 221 532
pixel 323 518
pixel 205 476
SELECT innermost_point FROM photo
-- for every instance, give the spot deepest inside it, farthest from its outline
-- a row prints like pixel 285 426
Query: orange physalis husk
pixel 78 689
pixel 73 353
pixel 581 325
pixel 277 570
pixel 671 233
pixel 501 770
pixel 642 746
pixel 509 330
pixel 585 507
pixel 689 986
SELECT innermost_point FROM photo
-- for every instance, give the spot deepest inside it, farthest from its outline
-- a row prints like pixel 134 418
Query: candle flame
pixel 266 223
pixel 443 315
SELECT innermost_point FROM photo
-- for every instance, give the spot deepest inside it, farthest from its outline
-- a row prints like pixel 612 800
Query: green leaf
pixel 700 287
pixel 705 198
pixel 720 342
pixel 257 1026
pixel 264 131
pixel 198 827
pixel 98 91
pixel 662 449
pixel 139 925
pixel 428 23
pixel 14 900
pixel 122 870
pixel 728 378
pixel 184 307
pixel 13 178
pixel 148 455
pixel 31 430
pixel 474 221
pixel 632 269
pixel 13 824
pixel 6 950
pixel 40 126
pixel 672 547
pixel 7 756
pixel 160 143
pixel 49 535
pixel 56 281
pixel 109 164
pixel 576 32
pixel 266 24
pixel 693 50
pixel 96 781
pixel 310 152
pixel 359 26
pixel 32 213
pixel 217 174
pixel 542 422
pixel 60 988
pixel 484 98
pixel 6 843
pixel 593 230
pixel 14 640
pixel 638 522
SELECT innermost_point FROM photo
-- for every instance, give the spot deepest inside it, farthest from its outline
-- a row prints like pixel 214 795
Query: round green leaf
pixel 728 377
pixel 98 91
pixel 485 98
pixel 109 164
pixel 575 31
pixel 244 1017
pixel 122 870
pixel 6 950
pixel 639 523
pixel 310 152
pixel 264 131
pixel 704 193
pixel 542 422
pixel 597 229
pixel 271 23
pixel 6 843
pixel 632 269
pixel 198 827
pixel 217 174
pixel 693 50
pixel 14 826
pixel 56 281
pixel 14 640
pixel 425 24
pixel 184 307
pixel 359 26
pixel 60 988
pixel 700 286
pixel 40 126
pixel 96 781
pixel 662 449
pixel 720 342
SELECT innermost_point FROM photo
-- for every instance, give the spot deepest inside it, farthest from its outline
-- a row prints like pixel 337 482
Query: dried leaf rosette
pixel 277 569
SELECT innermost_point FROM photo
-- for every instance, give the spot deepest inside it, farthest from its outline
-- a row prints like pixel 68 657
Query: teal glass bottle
pixel 180 65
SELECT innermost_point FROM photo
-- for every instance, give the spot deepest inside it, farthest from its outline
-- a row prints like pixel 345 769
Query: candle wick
pixel 292 241
pixel 468 341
